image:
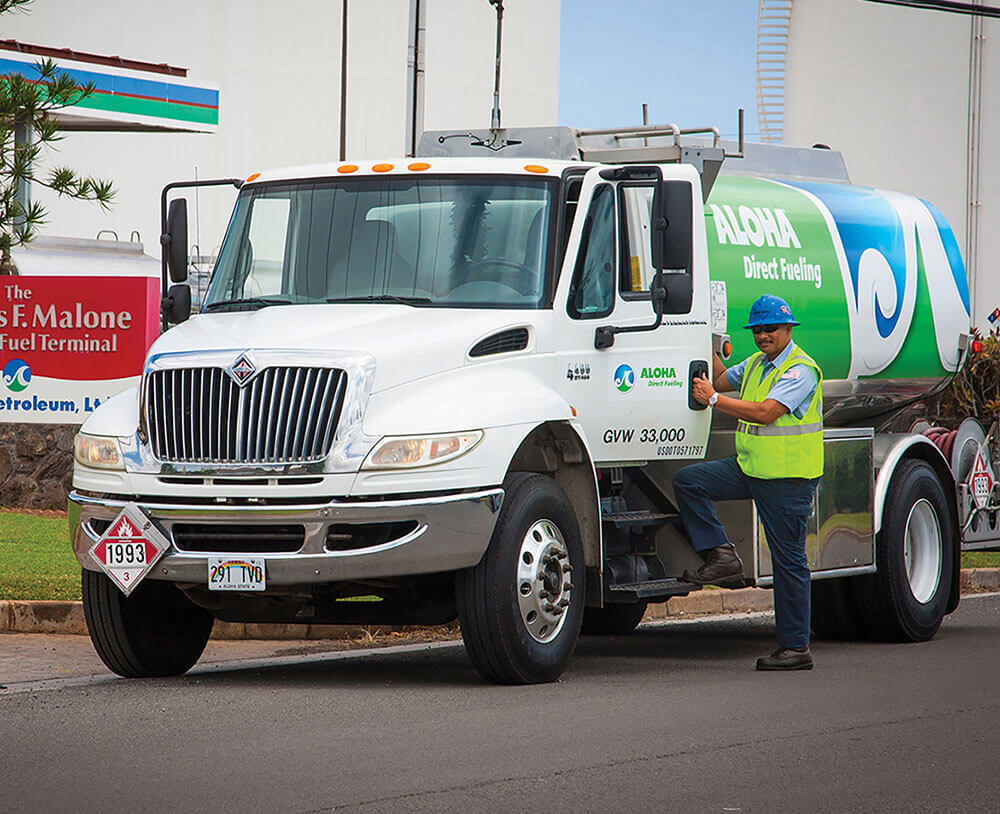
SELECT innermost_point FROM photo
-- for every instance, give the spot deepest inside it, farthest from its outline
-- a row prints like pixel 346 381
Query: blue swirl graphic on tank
pixel 886 241
pixel 17 375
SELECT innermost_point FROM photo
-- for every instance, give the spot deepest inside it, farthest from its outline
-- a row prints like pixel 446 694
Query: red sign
pixel 124 546
pixel 78 328
pixel 129 548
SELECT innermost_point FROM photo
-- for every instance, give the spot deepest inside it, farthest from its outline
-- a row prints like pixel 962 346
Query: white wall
pixel 889 86
pixel 277 66
pixel 460 63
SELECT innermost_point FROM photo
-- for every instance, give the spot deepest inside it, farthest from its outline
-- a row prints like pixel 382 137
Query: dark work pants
pixel 784 506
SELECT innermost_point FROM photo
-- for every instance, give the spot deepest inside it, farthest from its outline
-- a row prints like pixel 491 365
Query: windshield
pixel 468 241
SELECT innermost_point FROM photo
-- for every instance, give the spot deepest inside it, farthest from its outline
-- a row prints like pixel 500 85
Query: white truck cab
pixel 428 387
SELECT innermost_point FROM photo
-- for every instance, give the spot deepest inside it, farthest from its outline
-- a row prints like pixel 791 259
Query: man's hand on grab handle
pixel 702 389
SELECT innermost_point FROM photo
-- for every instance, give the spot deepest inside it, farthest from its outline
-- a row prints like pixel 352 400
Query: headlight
pixel 99 452
pixel 403 453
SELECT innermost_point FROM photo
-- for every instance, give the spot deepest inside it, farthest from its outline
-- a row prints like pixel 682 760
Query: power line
pixel 973 9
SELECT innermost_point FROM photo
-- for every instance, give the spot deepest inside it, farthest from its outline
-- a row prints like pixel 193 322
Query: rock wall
pixel 36 465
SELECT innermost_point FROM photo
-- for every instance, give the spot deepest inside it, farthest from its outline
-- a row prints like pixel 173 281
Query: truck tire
pixel 156 631
pixel 519 612
pixel 834 610
pixel 906 598
pixel 617 619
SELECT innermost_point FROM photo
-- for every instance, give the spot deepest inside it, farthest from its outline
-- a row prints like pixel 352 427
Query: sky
pixel 692 62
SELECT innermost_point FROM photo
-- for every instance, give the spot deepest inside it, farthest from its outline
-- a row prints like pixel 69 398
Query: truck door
pixel 632 398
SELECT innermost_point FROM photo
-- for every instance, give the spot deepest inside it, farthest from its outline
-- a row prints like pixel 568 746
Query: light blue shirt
pixel 794 389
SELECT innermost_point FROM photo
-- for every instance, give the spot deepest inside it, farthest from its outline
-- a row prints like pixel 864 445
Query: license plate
pixel 236 574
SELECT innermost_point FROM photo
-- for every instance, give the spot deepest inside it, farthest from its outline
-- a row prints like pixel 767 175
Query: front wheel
pixel 905 600
pixel 520 607
pixel 155 631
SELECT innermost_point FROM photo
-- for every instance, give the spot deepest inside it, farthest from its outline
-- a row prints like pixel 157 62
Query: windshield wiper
pixel 383 298
pixel 259 302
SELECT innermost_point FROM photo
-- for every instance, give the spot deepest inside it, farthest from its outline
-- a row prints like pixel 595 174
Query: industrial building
pixel 211 88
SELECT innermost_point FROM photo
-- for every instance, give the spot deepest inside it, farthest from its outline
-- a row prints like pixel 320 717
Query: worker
pixel 778 462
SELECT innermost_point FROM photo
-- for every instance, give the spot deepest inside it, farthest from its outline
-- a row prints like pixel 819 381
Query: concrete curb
pixel 24 616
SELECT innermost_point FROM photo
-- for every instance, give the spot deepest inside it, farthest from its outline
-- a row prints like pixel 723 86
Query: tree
pixel 26 126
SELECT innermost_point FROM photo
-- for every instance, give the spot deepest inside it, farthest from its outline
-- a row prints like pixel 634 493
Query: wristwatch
pixel 715 398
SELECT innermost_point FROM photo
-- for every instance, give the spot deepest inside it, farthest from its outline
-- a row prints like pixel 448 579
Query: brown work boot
pixel 787 658
pixel 723 567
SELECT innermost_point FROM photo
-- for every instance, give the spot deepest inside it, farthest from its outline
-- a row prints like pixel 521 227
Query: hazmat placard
pixel 129 548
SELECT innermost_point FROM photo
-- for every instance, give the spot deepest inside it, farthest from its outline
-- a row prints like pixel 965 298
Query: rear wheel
pixel 155 631
pixel 906 599
pixel 616 619
pixel 519 610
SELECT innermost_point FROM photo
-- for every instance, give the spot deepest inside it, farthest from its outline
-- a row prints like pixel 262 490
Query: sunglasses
pixel 765 329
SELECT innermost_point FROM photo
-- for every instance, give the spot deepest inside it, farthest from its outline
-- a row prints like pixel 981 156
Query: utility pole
pixel 343 85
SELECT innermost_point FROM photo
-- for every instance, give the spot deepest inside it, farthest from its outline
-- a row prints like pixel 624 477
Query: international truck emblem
pixel 242 370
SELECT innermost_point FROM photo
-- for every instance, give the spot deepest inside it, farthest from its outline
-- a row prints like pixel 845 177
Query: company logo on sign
pixel 624 378
pixel 16 375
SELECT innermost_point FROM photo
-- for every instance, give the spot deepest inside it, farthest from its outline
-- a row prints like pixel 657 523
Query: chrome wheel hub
pixel 544 590
pixel 922 551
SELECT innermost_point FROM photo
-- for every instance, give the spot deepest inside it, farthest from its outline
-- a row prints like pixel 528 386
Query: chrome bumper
pixel 452 532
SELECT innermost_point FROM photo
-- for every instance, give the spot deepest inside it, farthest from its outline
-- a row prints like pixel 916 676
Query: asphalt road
pixel 672 718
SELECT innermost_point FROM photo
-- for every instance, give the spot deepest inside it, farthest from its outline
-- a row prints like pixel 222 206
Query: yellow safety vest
pixel 790 447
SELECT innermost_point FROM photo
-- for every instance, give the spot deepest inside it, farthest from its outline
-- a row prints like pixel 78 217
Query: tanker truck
pixel 459 385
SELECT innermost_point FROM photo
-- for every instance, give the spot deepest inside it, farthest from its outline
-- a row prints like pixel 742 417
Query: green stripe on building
pixel 155 108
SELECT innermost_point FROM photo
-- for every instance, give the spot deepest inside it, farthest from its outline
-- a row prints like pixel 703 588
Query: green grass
pixel 981 559
pixel 36 561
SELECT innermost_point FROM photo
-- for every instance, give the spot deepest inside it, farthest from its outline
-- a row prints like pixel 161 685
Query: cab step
pixel 650 589
pixel 639 517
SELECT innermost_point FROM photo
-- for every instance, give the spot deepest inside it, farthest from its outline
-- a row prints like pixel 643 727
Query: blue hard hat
pixel 770 310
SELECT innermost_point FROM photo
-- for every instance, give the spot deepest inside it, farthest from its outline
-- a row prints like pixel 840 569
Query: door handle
pixel 697 368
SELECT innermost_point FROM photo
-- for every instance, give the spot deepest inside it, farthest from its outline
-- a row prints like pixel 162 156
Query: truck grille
pixel 283 415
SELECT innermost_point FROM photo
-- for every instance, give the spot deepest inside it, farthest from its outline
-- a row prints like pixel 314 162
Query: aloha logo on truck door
pixel 657 379
pixel 660 376
pixel 624 378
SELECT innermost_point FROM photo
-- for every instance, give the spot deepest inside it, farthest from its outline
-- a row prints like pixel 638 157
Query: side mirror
pixel 176 306
pixel 175 241
pixel 672 222
pixel 658 292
